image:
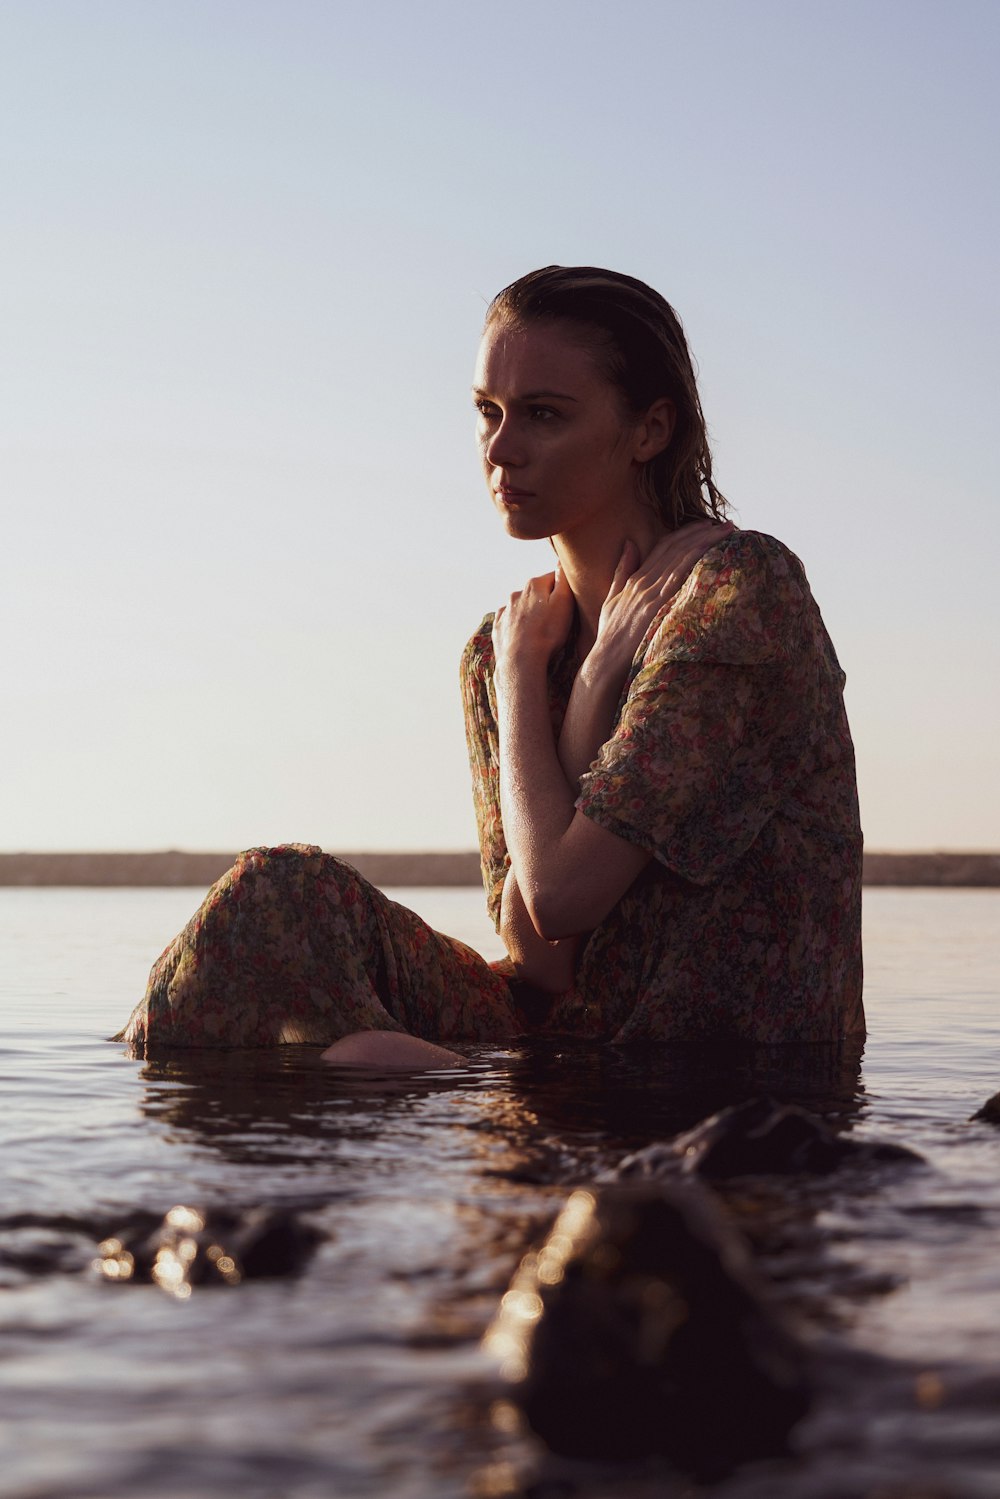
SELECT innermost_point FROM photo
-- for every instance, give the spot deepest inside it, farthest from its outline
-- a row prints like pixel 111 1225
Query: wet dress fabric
pixel 730 762
pixel 292 945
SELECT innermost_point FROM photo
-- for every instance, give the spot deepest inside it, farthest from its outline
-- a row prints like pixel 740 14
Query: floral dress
pixel 730 762
pixel 293 945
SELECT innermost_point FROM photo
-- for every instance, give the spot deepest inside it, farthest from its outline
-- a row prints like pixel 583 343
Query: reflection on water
pixel 363 1374
pixel 255 1106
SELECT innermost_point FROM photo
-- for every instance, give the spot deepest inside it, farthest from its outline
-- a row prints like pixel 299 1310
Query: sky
pixel 246 252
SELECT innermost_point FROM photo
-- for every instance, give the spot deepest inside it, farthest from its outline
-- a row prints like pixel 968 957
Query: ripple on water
pixel 363 1375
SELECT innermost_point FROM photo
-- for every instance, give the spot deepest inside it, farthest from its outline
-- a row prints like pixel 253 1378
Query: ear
pixel 654 429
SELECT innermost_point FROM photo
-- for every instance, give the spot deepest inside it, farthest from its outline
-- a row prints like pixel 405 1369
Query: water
pixel 363 1375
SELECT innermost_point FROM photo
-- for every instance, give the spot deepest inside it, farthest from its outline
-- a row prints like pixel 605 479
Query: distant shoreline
pixel 176 867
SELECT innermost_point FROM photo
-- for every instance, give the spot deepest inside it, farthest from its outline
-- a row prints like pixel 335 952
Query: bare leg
pixel 389 1049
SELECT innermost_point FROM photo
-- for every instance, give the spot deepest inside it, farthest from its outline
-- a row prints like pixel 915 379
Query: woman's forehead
pixel 535 358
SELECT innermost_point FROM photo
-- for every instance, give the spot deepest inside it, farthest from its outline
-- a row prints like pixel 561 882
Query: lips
pixel 508 495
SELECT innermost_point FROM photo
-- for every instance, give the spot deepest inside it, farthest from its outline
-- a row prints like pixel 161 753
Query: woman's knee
pixel 295 869
pixel 395 1049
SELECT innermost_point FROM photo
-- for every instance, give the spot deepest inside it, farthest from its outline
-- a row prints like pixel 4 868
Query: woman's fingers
pixel 677 552
pixel 539 587
pixel 627 563
pixel 639 592
pixel 695 535
pixel 678 565
pixel 536 619
pixel 683 564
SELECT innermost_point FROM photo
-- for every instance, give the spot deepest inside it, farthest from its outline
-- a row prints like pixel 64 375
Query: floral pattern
pixel 293 945
pixel 731 762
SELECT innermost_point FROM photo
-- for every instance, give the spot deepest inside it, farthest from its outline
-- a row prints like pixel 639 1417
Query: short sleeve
pixel 717 719
pixel 481 734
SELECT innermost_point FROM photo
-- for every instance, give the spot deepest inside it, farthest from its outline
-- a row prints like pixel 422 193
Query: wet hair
pixel 639 343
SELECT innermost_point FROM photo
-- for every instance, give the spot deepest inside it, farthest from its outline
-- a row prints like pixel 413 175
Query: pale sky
pixel 246 250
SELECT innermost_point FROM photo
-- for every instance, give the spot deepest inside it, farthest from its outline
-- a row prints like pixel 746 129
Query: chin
pixel 522 529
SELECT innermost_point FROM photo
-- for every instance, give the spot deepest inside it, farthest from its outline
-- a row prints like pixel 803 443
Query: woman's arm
pixel 548 965
pixel 637 594
pixel 569 871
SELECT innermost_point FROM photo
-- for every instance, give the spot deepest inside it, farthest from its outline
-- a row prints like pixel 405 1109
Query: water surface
pixel 363 1375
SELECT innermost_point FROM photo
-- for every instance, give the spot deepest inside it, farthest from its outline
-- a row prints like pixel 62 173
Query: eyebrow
pixel 533 395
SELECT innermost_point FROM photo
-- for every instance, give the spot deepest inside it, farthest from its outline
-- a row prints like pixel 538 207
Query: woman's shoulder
pixel 756 557
pixel 744 600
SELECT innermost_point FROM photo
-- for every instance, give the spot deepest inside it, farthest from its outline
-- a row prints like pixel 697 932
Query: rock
pixel 638 1329
pixel 990 1110
pixel 192 1246
pixel 756 1138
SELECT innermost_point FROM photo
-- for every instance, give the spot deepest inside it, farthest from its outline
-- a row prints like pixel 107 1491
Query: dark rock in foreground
pixel 196 1247
pixel 990 1110
pixel 638 1328
pixel 757 1138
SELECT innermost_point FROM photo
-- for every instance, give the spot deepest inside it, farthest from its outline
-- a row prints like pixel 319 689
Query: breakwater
pixel 442 868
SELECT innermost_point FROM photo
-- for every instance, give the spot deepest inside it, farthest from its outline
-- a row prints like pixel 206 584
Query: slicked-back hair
pixel 637 338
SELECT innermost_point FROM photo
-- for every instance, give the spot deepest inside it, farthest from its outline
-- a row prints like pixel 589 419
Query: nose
pixel 503 449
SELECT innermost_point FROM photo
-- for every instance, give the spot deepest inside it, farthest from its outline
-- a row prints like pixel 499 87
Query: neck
pixel 589 563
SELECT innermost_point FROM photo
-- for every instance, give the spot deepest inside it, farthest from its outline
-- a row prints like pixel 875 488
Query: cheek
pixel 592 459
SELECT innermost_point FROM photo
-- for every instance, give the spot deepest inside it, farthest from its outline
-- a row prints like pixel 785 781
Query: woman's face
pixel 558 452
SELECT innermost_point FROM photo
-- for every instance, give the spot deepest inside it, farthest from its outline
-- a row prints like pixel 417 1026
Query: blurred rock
pixel 990 1110
pixel 757 1138
pixel 192 1246
pixel 638 1329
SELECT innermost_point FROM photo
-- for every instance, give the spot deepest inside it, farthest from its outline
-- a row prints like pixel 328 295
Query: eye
pixel 486 409
pixel 542 413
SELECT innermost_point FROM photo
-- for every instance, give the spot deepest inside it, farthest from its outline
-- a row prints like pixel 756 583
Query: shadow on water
pixel 243 1104
pixel 633 1096
pixel 506 1135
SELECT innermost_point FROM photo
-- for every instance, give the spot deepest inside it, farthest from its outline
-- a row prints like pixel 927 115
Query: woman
pixel 662 767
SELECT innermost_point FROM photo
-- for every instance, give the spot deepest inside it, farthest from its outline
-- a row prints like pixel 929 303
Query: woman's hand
pixel 639 591
pixel 529 629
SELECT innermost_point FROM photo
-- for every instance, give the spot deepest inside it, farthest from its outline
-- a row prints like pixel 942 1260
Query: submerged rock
pixel 638 1328
pixel 193 1246
pixel 756 1138
pixel 990 1110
